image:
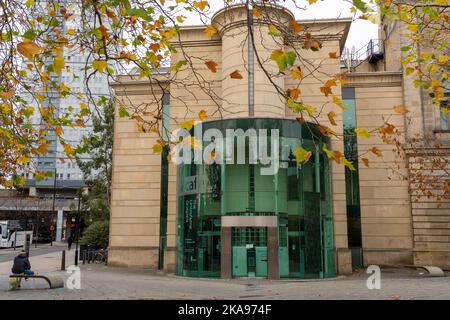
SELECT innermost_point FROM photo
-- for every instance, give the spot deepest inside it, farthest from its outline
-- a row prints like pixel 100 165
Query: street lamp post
pixel 53 208
pixel 78 229
pixel 37 231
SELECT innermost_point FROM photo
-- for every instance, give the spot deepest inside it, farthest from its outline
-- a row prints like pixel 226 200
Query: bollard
pixel 63 260
pixel 84 257
pixel 27 245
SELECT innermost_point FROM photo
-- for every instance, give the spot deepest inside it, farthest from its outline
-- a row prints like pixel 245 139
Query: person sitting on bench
pixel 22 265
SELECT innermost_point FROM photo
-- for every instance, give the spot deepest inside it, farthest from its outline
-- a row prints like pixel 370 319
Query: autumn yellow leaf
pixel 256 12
pixel 8 184
pixel 141 128
pixel 187 124
pixel 331 116
pixel 342 77
pixel 84 108
pixel 401 109
pixel 333 55
pixel 212 65
pixel 376 151
pixel 326 131
pixel 362 133
pixel 297 73
pixel 338 101
pixel 99 65
pixel 103 30
pixel 236 75
pixel 387 129
pixel 43 148
pixel 326 90
pixel 302 155
pixel 29 49
pixel 443 59
pixel 210 31
pixel 68 150
pixel 58 64
pixel 201 5
pixel 296 26
pixel 137 117
pixel 157 148
pixel 59 131
pixel 7 95
pixel 409 71
pixel 64 88
pixel 155 47
pixel 293 93
pixel 365 161
pixel 24 159
pixel 330 83
pixel 202 115
pixel 80 123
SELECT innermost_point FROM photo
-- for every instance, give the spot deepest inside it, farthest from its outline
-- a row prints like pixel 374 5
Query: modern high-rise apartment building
pixel 74 75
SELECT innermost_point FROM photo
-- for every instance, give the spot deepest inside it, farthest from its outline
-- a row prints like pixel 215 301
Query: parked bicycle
pixel 100 256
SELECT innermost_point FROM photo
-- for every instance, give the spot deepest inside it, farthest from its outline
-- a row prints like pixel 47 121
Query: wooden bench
pixel 53 281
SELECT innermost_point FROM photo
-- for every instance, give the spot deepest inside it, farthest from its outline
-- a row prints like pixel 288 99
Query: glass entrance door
pixel 209 254
pixel 209 248
pixel 249 252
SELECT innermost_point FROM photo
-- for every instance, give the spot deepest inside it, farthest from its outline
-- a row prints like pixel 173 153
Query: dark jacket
pixel 21 263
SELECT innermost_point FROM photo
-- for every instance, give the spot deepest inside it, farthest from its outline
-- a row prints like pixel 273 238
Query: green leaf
pixel 283 59
pixel 29 34
pixel 29 3
pixel 361 5
pixel 123 112
pixel 141 13
pixel 177 66
pixel 348 164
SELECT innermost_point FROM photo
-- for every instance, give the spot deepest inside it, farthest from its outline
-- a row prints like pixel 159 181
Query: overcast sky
pixel 361 32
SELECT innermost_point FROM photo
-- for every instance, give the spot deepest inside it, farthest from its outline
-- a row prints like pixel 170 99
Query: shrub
pixel 96 234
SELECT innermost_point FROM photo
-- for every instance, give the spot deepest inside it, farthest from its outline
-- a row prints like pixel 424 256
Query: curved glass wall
pixel 298 194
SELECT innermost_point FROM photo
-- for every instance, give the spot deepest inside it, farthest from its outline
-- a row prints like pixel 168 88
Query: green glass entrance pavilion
pixel 236 221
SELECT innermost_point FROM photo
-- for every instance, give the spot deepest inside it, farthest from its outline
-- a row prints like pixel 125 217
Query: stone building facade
pixel 229 220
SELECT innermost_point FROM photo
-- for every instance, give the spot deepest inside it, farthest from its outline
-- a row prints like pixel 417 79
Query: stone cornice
pixel 374 79
pixel 198 43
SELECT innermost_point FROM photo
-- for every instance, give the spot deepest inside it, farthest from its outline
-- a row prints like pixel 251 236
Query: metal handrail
pixel 350 59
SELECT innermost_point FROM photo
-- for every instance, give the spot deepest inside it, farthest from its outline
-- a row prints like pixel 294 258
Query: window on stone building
pixel 444 115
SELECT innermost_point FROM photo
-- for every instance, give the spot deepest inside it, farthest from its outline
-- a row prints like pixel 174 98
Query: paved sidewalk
pixel 102 282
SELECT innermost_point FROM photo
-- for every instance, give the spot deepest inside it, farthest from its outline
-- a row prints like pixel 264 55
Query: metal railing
pixel 352 58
